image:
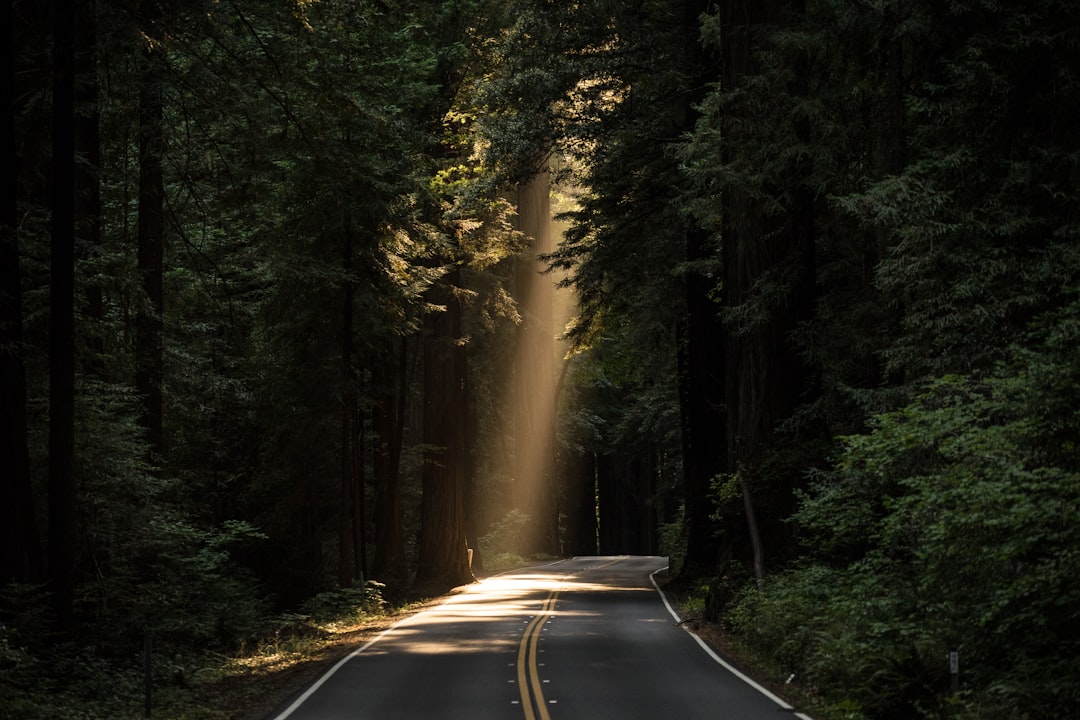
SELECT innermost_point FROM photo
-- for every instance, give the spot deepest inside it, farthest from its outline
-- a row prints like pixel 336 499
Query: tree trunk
pixel 753 531
pixel 701 403
pixel 578 470
pixel 443 557
pixel 345 544
pixel 745 253
pixel 61 556
pixel 472 489
pixel 765 375
pixel 149 347
pixel 700 350
pixel 348 550
pixel 608 532
pixel 359 507
pixel 87 176
pixel 389 383
pixel 21 555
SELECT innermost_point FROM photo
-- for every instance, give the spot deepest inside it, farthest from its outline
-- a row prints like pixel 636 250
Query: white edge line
pixel 329 673
pixel 723 663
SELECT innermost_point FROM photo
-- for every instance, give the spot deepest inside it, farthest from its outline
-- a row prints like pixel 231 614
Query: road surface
pixel 581 639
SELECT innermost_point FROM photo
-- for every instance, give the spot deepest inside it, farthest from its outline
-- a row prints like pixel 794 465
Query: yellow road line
pixel 528 672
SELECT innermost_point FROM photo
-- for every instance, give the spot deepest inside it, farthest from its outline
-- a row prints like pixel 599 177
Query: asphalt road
pixel 582 639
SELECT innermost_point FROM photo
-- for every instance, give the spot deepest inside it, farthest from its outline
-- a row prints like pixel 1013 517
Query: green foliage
pixel 957 511
pixel 506 536
pixel 503 561
pixel 847 637
pixel 63 681
pixel 197 595
pixel 316 148
pixel 985 196
pixel 671 537
pixel 349 603
pixel 946 230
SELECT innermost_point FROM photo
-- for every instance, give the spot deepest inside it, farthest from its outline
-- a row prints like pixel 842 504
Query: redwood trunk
pixel 149 348
pixel 443 557
pixel 349 560
pixel 700 352
pixel 61 553
pixel 701 387
pixel 765 376
pixel 389 385
pixel 87 175
pixel 20 558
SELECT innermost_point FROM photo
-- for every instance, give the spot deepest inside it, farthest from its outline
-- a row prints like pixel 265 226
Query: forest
pixel 336 302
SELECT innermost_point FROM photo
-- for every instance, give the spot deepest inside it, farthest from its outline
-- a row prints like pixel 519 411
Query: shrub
pixel 506 535
pixel 348 603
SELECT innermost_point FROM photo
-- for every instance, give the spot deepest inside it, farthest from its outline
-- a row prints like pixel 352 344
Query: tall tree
pixel 443 558
pixel 88 175
pixel 763 216
pixel 746 237
pixel 351 540
pixel 462 245
pixel 21 558
pixel 389 380
pixel 149 341
pixel 702 342
pixel 61 537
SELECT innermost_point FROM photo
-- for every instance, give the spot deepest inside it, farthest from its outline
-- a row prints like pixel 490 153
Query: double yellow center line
pixel 528 673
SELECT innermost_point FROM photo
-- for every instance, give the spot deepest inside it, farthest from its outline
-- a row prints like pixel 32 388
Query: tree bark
pixel 443 557
pixel 149 346
pixel 389 384
pixel 359 506
pixel 87 175
pixel 700 352
pixel 472 489
pixel 348 560
pixel 765 376
pixel 578 470
pixel 701 402
pixel 744 257
pixel 20 558
pixel 756 546
pixel 61 553
pixel 608 519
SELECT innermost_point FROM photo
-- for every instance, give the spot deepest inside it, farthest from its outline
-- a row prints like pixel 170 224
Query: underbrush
pixel 848 646
pixel 91 678
pixel 503 561
pixel 693 603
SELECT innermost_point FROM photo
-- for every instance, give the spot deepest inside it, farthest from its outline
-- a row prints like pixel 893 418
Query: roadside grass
pixel 257 681
pixel 503 562
pixel 71 681
pixel 77 681
pixel 252 684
